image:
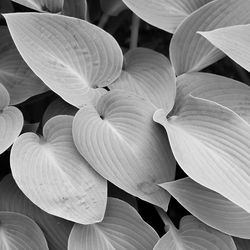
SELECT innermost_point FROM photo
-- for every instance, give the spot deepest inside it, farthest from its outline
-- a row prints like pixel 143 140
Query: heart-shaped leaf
pixel 11 121
pixel 211 143
pixel 121 142
pixel 53 6
pixel 112 7
pixel 194 235
pixel 122 228
pixel 55 229
pixel 53 175
pixel 164 14
pixel 238 50
pixel 210 207
pixel 76 8
pixel 71 56
pixel 15 74
pixel 18 232
pixel 192 52
pixel 149 74
pixel 230 93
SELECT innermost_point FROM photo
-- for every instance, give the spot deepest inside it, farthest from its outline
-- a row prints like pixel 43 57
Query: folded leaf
pixel 122 143
pixel 122 228
pixel 55 229
pixel 75 8
pixel 192 52
pixel 15 74
pixel 210 207
pixel 149 74
pixel 53 175
pixel 238 50
pixel 195 235
pixel 230 93
pixel 20 232
pixel 71 56
pixel 11 121
pixel 167 14
pixel 211 143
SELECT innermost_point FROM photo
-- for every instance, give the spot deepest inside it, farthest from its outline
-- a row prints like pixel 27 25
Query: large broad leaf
pixel 11 121
pixel 149 74
pixel 234 41
pixel 122 228
pixel 112 7
pixel 53 175
pixel 164 14
pixel 211 143
pixel 192 52
pixel 122 143
pixel 55 229
pixel 53 6
pixel 76 8
pixel 15 74
pixel 194 235
pixel 71 56
pixel 210 207
pixel 18 232
pixel 230 93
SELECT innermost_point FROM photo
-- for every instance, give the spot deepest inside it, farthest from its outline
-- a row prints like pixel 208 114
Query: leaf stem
pixel 166 220
pixel 103 21
pixel 134 31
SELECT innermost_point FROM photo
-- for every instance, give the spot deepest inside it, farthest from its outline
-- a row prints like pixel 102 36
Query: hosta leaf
pixel 121 142
pixel 11 121
pixel 242 244
pixel 75 8
pixel 192 52
pixel 164 14
pixel 122 228
pixel 18 232
pixel 194 235
pixel 149 74
pixel 230 93
pixel 55 229
pixel 54 176
pixel 112 7
pixel 53 6
pixel 211 143
pixel 15 74
pixel 210 207
pixel 238 50
pixel 71 56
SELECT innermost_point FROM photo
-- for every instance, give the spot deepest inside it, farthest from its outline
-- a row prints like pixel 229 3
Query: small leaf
pixel 211 143
pixel 122 143
pixel 149 74
pixel 210 207
pixel 55 229
pixel 20 232
pixel 54 176
pixel 192 52
pixel 112 7
pixel 233 41
pixel 122 228
pixel 194 235
pixel 76 8
pixel 71 56
pixel 167 14
pixel 11 121
pixel 15 74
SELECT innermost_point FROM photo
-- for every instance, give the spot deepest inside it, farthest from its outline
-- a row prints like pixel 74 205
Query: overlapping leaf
pixel 164 14
pixel 122 143
pixel 233 41
pixel 53 175
pixel 76 8
pixel 55 229
pixel 194 235
pixel 11 121
pixel 15 74
pixel 18 232
pixel 212 145
pixel 149 74
pixel 210 207
pixel 122 228
pixel 71 56
pixel 192 52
